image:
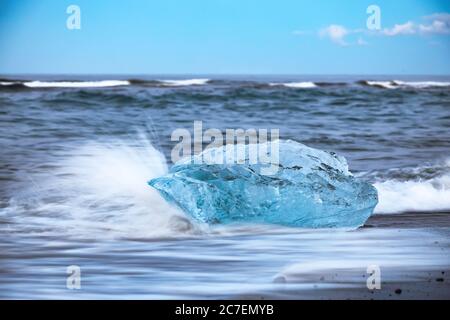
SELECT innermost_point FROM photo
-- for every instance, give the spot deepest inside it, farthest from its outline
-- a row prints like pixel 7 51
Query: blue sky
pixel 225 36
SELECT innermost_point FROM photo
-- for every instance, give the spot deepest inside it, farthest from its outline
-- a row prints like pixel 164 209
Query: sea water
pixel 76 155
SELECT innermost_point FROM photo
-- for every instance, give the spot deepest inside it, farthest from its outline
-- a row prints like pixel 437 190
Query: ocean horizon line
pixel 232 74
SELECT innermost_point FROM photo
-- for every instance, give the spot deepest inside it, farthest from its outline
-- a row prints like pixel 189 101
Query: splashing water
pixel 422 196
pixel 73 188
pixel 100 190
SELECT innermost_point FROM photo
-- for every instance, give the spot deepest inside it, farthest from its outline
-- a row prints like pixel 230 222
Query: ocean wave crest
pixel 76 84
pixel 395 84
pixel 303 85
pixel 65 84
pixel 185 82
pixel 421 84
pixel 103 192
pixel 423 189
pixel 9 84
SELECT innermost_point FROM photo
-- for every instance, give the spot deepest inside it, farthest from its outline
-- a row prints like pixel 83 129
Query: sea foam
pixel 395 84
pixel 76 84
pixel 423 195
pixel 303 85
pixel 186 82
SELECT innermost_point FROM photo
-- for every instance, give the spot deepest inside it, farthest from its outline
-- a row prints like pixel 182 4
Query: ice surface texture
pixel 310 188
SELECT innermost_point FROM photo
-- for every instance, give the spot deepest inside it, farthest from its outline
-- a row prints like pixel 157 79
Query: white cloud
pixel 398 29
pixel 440 24
pixel 438 27
pixel 442 16
pixel 435 24
pixel 336 33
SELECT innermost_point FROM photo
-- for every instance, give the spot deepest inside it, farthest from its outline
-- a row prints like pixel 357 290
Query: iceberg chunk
pixel 310 188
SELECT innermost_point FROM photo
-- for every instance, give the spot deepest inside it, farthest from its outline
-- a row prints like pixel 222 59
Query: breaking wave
pixel 11 84
pixel 67 84
pixel 413 196
pixel 100 190
pixel 187 82
pixel 422 189
pixel 303 85
pixel 395 84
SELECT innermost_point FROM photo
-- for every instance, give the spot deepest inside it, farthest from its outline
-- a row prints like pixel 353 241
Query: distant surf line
pixel 194 82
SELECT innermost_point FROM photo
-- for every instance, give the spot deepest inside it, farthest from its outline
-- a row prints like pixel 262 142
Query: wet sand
pixel 410 281
pixel 410 220
pixel 257 262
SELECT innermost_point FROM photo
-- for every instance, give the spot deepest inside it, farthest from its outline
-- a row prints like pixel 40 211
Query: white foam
pixel 383 84
pixel 422 84
pixel 76 84
pixel 102 191
pixel 186 82
pixel 413 84
pixel 403 196
pixel 303 85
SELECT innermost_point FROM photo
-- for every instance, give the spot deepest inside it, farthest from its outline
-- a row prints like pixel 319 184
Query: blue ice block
pixel 310 188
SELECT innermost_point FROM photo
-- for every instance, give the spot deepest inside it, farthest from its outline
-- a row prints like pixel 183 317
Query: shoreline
pixel 408 220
